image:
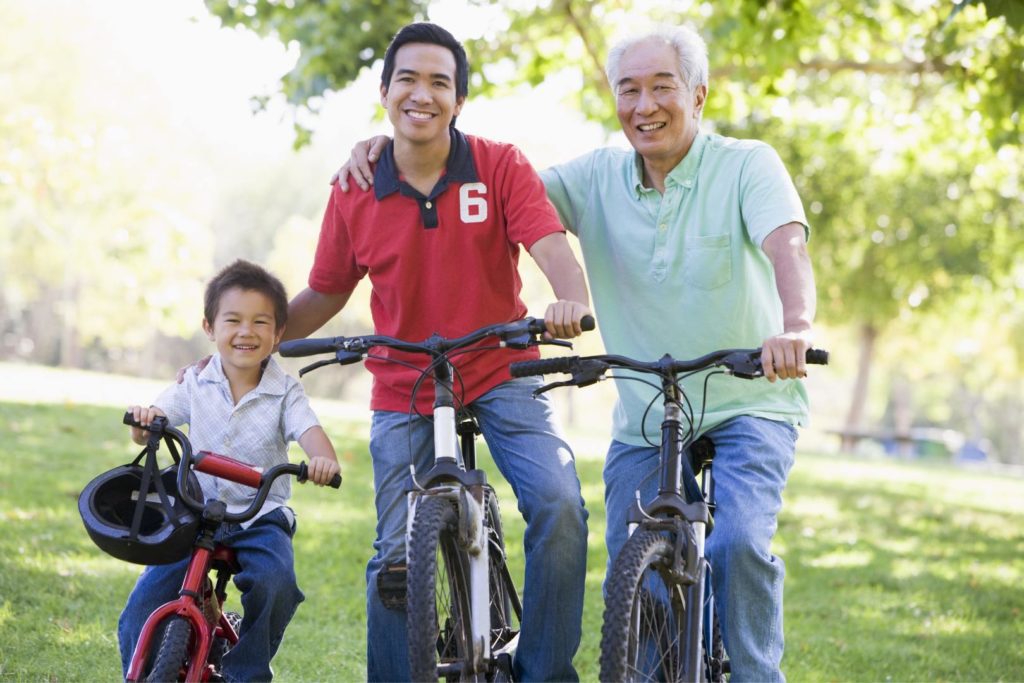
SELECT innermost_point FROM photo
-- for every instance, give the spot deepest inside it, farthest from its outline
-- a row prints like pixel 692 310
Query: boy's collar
pixel 271 382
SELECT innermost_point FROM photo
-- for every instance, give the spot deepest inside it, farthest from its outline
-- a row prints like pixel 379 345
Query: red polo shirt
pixel 446 263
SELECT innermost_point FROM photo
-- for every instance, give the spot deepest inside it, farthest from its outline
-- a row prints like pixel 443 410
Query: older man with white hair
pixel 694 242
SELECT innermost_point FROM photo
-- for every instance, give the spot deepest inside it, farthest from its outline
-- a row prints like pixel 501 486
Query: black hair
pixel 425 32
pixel 246 276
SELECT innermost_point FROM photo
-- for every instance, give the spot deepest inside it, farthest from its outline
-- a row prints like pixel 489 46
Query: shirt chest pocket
pixel 707 261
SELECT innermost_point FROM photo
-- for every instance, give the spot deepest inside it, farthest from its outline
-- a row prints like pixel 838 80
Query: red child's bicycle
pixel 172 521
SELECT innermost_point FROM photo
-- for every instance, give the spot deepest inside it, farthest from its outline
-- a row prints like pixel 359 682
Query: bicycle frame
pixel 207 554
pixel 686 522
pixel 670 519
pixel 454 476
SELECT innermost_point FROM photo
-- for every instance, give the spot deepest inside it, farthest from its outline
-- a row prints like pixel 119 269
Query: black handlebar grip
pixel 526 368
pixel 817 356
pixel 129 419
pixel 308 347
pixel 303 476
pixel 587 323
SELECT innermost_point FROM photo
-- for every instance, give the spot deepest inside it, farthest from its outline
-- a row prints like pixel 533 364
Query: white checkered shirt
pixel 257 431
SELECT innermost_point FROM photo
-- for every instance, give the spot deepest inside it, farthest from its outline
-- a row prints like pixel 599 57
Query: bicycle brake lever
pixel 317 365
pixel 553 385
pixel 744 366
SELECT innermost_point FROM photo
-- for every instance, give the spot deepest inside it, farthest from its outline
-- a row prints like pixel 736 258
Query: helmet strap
pixel 151 479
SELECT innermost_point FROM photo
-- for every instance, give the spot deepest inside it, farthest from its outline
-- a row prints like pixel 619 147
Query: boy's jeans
pixel 531 453
pixel 270 595
pixel 753 457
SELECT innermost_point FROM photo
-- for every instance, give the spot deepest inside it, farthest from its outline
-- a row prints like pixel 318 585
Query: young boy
pixel 243 405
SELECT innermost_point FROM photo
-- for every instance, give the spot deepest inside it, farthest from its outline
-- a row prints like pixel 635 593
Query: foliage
pixel 64 170
pixel 337 40
pixel 893 570
pixel 756 45
pixel 115 203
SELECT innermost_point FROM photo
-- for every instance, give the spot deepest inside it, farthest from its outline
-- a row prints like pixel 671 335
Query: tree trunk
pixel 855 416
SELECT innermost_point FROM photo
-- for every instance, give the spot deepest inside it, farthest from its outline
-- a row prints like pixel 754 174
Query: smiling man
pixel 694 242
pixel 440 240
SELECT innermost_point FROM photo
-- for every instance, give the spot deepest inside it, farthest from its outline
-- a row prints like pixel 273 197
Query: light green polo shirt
pixel 684 273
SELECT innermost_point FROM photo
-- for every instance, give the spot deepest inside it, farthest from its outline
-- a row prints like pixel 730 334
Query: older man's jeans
pixel 753 457
pixel 270 595
pixel 533 456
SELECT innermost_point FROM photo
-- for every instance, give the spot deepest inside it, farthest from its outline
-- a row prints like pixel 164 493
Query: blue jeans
pixel 528 448
pixel 753 457
pixel 270 595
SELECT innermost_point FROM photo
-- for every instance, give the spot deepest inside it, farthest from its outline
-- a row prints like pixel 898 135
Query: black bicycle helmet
pixel 167 527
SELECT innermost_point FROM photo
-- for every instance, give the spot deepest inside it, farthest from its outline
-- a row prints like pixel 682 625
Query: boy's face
pixel 244 329
pixel 420 98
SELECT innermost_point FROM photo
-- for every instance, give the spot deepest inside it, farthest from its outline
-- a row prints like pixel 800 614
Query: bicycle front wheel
pixel 439 628
pixel 171 660
pixel 644 636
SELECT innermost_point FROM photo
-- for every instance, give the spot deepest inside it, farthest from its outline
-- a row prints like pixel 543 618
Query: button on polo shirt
pixel 687 265
pixel 387 180
pixel 446 262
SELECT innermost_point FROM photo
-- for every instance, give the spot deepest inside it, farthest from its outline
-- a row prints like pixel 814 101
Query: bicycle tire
pixel 504 617
pixel 715 661
pixel 221 646
pixel 438 610
pixel 505 614
pixel 172 658
pixel 644 630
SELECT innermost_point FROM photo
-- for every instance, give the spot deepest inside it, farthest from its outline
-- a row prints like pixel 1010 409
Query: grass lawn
pixel 894 571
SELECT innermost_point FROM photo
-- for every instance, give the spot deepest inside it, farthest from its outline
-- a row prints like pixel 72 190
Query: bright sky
pixel 210 73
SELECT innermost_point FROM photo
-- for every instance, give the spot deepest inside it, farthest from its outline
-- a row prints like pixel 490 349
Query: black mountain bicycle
pixel 659 619
pixel 462 607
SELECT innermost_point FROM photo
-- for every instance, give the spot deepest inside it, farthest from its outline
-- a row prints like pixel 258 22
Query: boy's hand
pixel 146 417
pixel 322 469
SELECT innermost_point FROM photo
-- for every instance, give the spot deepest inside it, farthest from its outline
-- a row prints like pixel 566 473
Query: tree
pixel 900 122
pixel 65 171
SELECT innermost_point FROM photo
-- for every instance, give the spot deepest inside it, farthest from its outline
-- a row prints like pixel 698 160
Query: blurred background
pixel 145 144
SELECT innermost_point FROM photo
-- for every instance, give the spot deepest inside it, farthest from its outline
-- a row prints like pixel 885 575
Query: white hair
pixel 691 51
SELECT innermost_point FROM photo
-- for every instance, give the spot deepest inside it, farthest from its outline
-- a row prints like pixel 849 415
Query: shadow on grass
pixel 885 582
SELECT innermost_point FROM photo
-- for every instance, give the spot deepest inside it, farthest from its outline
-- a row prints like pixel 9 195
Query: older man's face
pixel 658 112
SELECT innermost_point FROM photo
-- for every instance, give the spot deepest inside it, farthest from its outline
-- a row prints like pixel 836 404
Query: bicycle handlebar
pixel 519 334
pixel 225 468
pixel 745 363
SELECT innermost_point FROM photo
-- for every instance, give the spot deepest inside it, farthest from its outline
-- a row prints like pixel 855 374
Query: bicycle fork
pixel 468 493
pixel 686 523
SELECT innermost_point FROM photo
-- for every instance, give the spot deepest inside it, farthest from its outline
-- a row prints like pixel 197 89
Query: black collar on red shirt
pixel 459 168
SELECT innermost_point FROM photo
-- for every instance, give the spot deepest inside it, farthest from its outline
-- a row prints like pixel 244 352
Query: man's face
pixel 420 98
pixel 659 113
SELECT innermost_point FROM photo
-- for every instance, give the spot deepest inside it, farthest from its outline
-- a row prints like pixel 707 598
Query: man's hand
pixel 357 167
pixel 322 469
pixel 199 365
pixel 563 318
pixel 785 356
pixel 145 416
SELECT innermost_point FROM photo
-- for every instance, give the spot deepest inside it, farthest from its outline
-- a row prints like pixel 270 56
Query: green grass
pixel 894 571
